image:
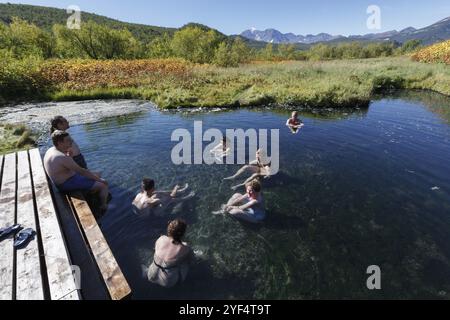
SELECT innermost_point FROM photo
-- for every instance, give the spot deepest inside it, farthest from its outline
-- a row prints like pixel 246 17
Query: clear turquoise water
pixel 354 190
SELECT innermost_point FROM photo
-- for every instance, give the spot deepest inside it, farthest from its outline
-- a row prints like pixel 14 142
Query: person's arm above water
pixel 248 205
pixel 154 201
pixel 237 201
pixel 70 164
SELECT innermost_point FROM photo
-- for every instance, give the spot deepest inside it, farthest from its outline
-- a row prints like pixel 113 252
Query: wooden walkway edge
pixel 69 258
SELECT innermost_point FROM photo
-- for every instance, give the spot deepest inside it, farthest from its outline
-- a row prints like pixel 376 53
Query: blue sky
pixel 234 16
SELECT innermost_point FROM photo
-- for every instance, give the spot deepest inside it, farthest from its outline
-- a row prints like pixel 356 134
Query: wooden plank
pixel 92 285
pixel 28 269
pixel 57 261
pixel 112 274
pixel 7 217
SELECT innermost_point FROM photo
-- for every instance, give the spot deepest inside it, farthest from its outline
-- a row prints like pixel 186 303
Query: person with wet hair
pixel 61 123
pixel 150 201
pixel 146 200
pixel 172 257
pixel 294 123
pixel 248 207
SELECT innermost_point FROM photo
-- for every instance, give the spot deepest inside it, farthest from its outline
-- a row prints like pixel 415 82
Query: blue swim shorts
pixel 77 183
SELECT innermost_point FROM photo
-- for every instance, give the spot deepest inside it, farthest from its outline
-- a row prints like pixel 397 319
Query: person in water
pixel 61 123
pixel 222 150
pixel 248 207
pixel 67 175
pixel 146 200
pixel 294 123
pixel 151 201
pixel 260 169
pixel 172 257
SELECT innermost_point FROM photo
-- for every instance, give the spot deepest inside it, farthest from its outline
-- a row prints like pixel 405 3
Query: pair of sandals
pixel 22 239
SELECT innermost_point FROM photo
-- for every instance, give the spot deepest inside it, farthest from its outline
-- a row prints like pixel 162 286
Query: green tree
pixel 223 56
pixel 411 46
pixel 353 50
pixel 287 51
pixel 321 52
pixel 195 44
pixel 268 52
pixel 240 51
pixel 25 39
pixel 160 47
pixel 97 42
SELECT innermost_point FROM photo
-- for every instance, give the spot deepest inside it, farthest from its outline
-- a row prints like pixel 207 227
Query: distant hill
pixel 437 32
pixel 45 17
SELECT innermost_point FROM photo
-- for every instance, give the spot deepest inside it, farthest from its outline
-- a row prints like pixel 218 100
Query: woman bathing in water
pixel 248 207
pixel 294 123
pixel 151 201
pixel 172 257
pixel 259 169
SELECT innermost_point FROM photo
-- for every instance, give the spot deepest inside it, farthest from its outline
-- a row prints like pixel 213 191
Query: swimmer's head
pixel 253 187
pixel 294 115
pixel 176 230
pixel 148 185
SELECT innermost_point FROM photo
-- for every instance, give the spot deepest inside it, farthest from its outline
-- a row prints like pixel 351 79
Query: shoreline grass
pixel 172 83
pixel 340 83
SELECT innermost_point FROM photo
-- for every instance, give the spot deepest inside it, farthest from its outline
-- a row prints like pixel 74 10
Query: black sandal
pixel 12 230
pixel 24 237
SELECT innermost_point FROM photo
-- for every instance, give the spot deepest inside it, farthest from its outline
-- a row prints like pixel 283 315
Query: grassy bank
pixel 316 84
pixel 172 83
pixel 15 138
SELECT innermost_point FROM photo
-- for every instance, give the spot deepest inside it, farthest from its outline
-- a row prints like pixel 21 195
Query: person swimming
pixel 259 168
pixel 248 207
pixel 294 123
pixel 172 257
pixel 146 200
pixel 157 202
pixel 222 150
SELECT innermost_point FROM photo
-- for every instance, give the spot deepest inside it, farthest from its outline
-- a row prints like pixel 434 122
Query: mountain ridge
pixel 439 31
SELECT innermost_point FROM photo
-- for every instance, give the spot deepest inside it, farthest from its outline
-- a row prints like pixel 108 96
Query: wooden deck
pixel 43 269
pixel 69 258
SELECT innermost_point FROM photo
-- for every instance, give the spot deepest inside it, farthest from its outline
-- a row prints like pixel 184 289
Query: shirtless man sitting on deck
pixel 67 175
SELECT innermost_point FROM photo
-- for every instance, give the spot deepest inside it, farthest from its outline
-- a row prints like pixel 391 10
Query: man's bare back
pixel 58 165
